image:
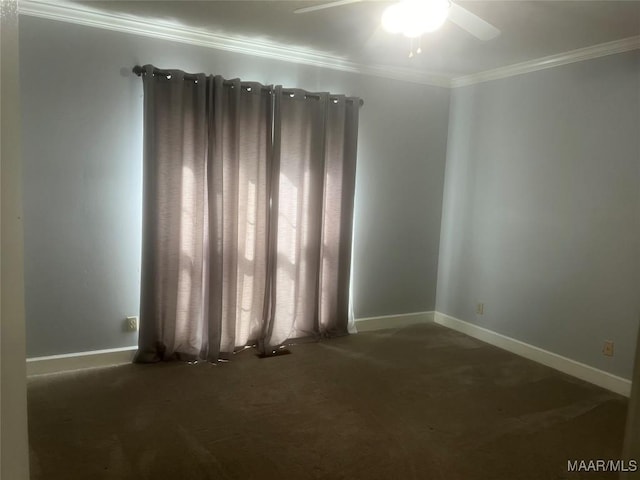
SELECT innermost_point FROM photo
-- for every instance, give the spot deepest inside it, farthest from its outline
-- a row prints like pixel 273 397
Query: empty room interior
pixel 320 239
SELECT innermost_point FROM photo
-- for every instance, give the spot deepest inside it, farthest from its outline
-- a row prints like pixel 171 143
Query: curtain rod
pixel 139 71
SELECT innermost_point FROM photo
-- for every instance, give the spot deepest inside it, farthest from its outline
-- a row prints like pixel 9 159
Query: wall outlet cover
pixel 132 324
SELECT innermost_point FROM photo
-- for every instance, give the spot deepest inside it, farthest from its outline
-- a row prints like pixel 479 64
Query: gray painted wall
pixel 82 127
pixel 541 214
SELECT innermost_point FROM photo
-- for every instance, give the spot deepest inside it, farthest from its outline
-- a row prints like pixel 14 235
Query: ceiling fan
pixel 413 18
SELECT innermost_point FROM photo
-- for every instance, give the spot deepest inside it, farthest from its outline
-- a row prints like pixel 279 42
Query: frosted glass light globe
pixel 415 17
pixel 393 18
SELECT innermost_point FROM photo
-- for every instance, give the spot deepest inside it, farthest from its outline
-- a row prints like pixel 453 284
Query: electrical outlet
pixel 132 324
pixel 607 350
pixel 480 308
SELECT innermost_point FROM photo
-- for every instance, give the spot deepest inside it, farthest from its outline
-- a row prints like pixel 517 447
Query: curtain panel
pixel 247 215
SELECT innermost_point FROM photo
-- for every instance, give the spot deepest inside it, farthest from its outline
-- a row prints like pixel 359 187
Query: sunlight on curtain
pixel 248 205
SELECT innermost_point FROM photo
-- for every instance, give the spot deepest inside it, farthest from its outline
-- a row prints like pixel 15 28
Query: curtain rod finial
pixel 138 70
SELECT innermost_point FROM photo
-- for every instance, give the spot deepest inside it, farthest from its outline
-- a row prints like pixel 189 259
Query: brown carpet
pixel 421 402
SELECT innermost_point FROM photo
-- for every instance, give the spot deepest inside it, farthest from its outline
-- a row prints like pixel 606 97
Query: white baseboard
pixel 370 324
pixel 118 356
pixel 579 370
pixel 80 361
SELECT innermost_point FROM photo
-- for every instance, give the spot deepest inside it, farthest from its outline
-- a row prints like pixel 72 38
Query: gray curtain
pixel 312 186
pixel 247 214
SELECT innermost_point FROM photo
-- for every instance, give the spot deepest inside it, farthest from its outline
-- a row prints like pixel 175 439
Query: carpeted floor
pixel 421 402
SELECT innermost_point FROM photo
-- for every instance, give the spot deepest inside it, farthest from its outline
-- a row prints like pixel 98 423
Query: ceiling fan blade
pixel 472 23
pixel 322 6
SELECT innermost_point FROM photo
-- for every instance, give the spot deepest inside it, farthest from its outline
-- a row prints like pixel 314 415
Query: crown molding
pixel 82 15
pixel 65 11
pixel 587 53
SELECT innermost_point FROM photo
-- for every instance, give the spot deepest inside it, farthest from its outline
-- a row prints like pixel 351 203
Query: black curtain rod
pixel 139 71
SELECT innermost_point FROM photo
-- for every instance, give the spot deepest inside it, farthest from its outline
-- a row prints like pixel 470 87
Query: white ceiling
pixel 530 29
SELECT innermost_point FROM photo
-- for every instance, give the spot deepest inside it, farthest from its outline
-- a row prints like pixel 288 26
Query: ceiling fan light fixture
pixel 412 18
pixel 393 18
